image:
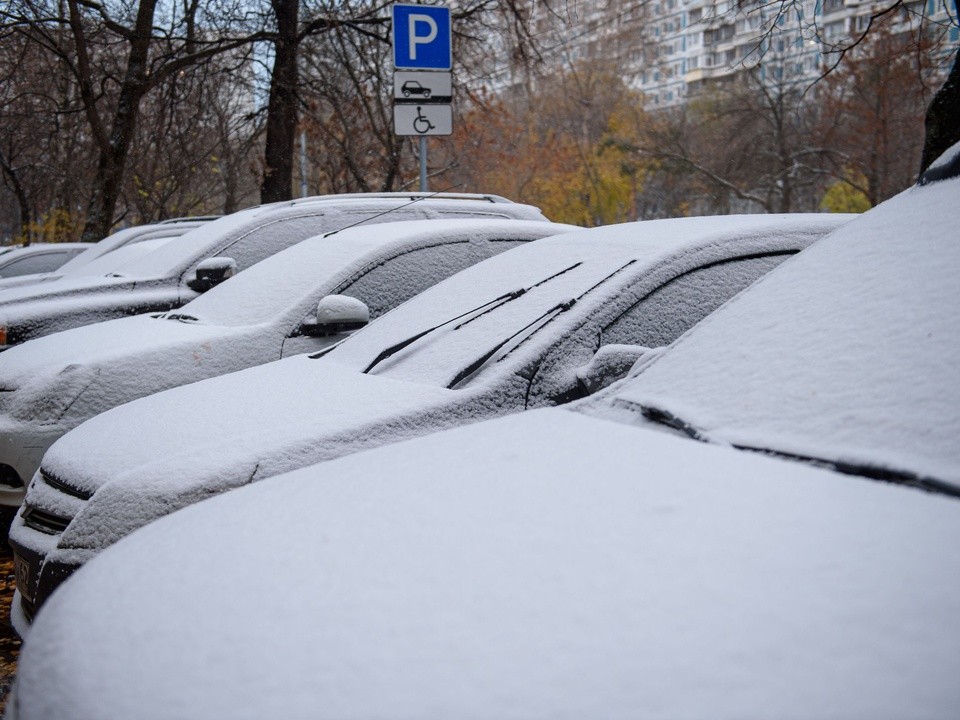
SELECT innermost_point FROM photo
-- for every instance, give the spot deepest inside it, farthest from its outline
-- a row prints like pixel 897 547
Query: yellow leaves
pixel 58 225
pixel 577 161
pixel 845 196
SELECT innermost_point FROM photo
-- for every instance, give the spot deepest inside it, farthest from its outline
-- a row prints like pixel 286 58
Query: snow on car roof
pixel 847 353
pixel 552 271
pixel 337 213
pixel 542 565
pixel 268 287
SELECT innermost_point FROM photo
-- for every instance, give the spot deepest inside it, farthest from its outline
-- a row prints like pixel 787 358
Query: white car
pixel 126 238
pixel 176 273
pixel 592 561
pixel 53 383
pixel 538 325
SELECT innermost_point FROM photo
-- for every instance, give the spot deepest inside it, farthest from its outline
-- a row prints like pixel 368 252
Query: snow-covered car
pixel 176 273
pixel 591 560
pixel 538 325
pixel 120 239
pixel 38 258
pixel 53 383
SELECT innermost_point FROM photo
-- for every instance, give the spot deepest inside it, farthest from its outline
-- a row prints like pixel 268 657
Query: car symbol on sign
pixel 412 87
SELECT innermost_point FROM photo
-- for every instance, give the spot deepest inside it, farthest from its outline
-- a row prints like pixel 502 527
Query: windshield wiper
pixel 548 315
pixel 485 308
pixel 478 363
pixel 181 317
pixel 859 469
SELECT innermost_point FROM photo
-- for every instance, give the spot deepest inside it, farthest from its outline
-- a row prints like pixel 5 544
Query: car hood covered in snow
pixel 228 430
pixel 544 565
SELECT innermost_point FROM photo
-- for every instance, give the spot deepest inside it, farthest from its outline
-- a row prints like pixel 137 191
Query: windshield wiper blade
pixel 181 317
pixel 555 310
pixel 859 469
pixel 479 362
pixel 485 307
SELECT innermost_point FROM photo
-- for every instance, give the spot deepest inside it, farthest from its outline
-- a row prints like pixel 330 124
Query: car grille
pixel 43 521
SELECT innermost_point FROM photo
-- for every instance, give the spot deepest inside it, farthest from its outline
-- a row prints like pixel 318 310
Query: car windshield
pixel 496 305
pixel 115 259
pixel 281 281
pixel 848 353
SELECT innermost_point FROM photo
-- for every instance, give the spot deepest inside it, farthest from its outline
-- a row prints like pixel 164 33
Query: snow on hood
pixel 544 565
pixel 11 299
pixel 136 339
pixel 552 271
pixel 231 426
pixel 847 352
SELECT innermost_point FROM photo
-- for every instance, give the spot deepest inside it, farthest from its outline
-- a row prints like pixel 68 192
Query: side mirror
pixel 211 272
pixel 611 363
pixel 335 314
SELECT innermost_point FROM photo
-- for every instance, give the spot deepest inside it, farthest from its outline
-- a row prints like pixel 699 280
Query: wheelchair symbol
pixel 421 123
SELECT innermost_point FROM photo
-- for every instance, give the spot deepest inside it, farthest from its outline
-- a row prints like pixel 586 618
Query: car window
pixel 669 311
pixel 44 262
pixel 654 320
pixel 390 282
pixel 268 239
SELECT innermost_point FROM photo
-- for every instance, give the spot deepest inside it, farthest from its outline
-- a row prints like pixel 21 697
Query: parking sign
pixel 422 37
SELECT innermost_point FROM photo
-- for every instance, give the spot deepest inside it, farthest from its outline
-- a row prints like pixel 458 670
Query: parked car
pixel 38 258
pixel 176 273
pixel 593 560
pixel 538 325
pixel 52 384
pixel 92 251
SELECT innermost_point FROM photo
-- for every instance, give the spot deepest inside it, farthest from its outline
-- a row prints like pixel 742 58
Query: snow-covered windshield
pixel 281 281
pixel 115 259
pixel 175 256
pixel 505 301
pixel 847 353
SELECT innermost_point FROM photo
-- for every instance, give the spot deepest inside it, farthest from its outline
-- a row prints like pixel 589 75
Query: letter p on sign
pixel 422 37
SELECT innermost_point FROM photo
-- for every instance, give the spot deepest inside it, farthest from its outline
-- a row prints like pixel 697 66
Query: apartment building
pixel 672 50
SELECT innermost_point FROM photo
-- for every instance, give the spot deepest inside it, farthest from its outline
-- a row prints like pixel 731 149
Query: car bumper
pixel 39 570
pixel 21 449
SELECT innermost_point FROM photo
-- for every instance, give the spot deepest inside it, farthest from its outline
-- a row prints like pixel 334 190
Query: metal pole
pixel 423 163
pixel 303 163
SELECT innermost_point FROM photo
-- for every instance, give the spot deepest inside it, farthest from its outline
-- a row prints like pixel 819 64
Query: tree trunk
pixel 943 118
pixel 113 154
pixel 23 202
pixel 282 108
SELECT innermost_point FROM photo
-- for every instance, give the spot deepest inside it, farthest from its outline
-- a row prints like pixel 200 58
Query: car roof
pixel 337 211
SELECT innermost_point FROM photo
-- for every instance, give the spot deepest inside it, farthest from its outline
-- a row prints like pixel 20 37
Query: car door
pixel 388 281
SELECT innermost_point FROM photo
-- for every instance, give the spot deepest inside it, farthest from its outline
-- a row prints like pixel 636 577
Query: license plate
pixel 21 569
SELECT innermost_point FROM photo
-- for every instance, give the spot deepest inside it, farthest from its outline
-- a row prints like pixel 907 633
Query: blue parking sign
pixel 422 37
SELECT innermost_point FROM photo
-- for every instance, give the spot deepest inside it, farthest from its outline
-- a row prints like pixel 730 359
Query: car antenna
pixel 387 212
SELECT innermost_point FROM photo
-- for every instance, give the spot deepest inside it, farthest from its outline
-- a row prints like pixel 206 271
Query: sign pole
pixel 423 163
pixel 422 82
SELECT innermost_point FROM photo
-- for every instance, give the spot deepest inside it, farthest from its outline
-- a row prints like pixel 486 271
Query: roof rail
pixel 483 197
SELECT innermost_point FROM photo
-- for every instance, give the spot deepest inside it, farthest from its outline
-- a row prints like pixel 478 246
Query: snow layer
pixel 228 431
pixel 545 565
pixel 574 265
pixel 58 381
pixel 848 352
